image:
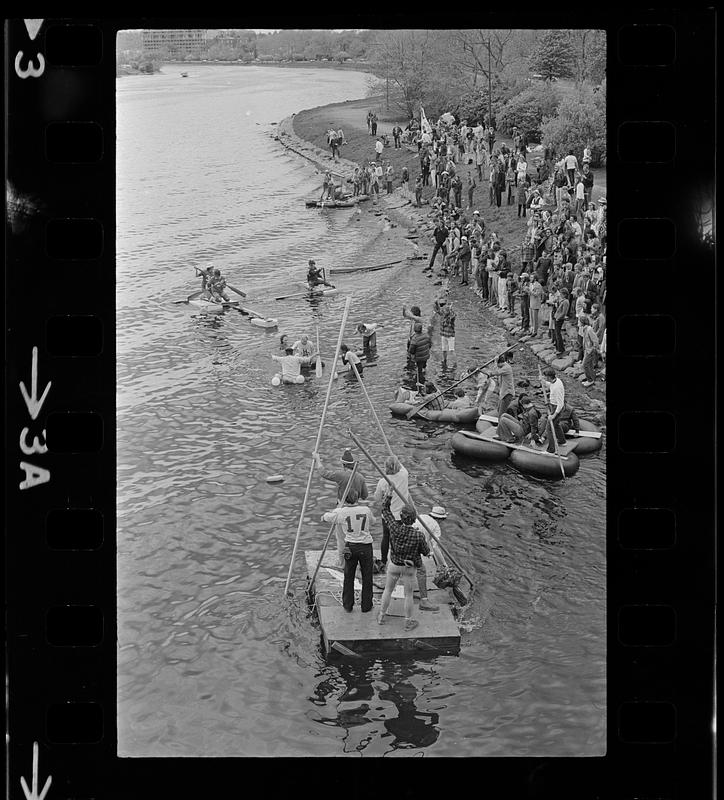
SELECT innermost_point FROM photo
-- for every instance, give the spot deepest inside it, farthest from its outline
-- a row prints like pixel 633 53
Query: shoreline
pixel 403 219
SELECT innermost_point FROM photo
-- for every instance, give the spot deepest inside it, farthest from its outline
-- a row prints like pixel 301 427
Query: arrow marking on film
pixel 32 26
pixel 33 795
pixel 31 401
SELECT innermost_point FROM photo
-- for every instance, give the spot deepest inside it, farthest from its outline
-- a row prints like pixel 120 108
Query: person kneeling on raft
pixel 519 421
pixel 291 367
pixel 567 421
pixel 461 401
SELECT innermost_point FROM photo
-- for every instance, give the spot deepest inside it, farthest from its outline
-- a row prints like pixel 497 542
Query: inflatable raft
pixel 464 416
pixel 212 305
pixel 482 446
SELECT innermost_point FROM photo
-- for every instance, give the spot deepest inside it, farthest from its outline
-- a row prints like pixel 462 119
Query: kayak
pixel 461 416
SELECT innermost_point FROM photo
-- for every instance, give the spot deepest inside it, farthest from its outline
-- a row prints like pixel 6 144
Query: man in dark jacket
pixel 440 235
pixel 419 351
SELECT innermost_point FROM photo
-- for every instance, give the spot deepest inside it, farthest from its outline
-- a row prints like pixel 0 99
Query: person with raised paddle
pixel 315 276
pixel 341 476
pixel 398 475
pixel 218 287
pixel 206 278
pixel 354 546
pixel 407 545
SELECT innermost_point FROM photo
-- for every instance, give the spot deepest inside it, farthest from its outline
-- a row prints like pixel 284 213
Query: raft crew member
pixel 218 287
pixel 419 350
pixel 556 403
pixel 349 357
pixel 399 477
pixel 519 421
pixel 369 335
pixel 303 347
pixel 354 546
pixel 407 546
pixel 315 275
pixel 291 366
pixel 206 278
pixel 341 476
pixel 405 395
pixel 436 404
pixel 506 392
pixel 431 520
pixel 461 401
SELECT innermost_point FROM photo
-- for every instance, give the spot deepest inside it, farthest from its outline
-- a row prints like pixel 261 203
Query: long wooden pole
pixel 550 423
pixel 319 438
pixel 409 500
pixel 372 408
pixel 413 411
pixel 331 527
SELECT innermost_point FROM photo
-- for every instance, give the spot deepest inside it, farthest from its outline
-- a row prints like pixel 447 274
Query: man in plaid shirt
pixel 447 329
pixel 407 545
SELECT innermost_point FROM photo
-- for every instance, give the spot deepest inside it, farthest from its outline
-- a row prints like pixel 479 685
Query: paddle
pixel 238 291
pixel 414 411
pixel 483 438
pixel 190 297
pixel 550 423
pixel 575 434
pixel 318 367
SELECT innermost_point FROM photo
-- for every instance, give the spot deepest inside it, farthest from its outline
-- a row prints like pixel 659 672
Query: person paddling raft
pixel 315 276
pixel 218 287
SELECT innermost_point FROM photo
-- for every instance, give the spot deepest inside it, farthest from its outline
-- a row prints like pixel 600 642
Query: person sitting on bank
pixel 519 421
pixel 407 545
pixel 461 401
pixel 341 476
pixel 353 523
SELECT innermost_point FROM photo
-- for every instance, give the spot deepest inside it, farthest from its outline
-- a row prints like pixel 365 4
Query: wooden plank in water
pixel 437 632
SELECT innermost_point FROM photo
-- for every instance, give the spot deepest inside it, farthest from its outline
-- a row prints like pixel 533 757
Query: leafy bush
pixel 527 110
pixel 580 122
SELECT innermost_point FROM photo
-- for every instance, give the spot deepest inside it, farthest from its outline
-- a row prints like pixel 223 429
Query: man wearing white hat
pixel 431 520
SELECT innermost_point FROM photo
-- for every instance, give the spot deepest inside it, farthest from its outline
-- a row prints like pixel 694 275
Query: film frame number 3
pixel 35 63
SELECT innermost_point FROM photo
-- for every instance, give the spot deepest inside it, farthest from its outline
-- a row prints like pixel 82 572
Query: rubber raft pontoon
pixel 481 446
pixel 462 416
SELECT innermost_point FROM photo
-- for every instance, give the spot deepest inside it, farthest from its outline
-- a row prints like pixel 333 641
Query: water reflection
pixel 378 705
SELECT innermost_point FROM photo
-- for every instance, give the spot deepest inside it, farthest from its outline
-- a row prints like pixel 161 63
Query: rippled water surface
pixel 213 659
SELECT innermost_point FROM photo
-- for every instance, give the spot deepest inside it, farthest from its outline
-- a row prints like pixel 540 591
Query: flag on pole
pixel 424 124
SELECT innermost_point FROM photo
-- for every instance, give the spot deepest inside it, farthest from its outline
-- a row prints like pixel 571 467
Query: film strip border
pixel 61 416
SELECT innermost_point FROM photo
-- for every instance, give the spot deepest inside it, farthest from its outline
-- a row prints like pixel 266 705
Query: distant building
pixel 176 42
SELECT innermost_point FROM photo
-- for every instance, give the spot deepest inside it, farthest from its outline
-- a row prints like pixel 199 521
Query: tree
pixel 553 56
pixel 527 110
pixel 588 48
pixel 579 123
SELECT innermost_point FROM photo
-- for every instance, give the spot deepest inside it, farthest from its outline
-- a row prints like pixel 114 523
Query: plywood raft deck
pixel 437 632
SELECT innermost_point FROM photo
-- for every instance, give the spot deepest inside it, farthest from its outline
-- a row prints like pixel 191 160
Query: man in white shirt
pixel 291 367
pixel 431 521
pixel 303 347
pixel 556 401
pixel 354 542
pixel 571 163
pixel 379 147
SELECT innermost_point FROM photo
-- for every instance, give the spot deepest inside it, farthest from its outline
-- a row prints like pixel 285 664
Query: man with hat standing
pixel 432 521
pixel 341 476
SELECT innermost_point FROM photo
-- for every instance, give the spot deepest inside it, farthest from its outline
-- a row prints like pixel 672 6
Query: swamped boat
pixel 460 416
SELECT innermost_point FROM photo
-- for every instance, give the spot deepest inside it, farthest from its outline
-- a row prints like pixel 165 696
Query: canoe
pixel 350 202
pixel 482 447
pixel 582 445
pixel 465 416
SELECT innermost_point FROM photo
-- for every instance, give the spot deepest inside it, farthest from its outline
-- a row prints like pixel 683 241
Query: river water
pixel 213 659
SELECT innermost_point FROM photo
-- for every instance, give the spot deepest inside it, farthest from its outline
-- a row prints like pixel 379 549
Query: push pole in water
pixel 319 438
pixel 372 408
pixel 408 500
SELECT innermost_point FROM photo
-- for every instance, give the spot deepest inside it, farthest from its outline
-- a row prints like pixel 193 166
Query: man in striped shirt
pixel 447 329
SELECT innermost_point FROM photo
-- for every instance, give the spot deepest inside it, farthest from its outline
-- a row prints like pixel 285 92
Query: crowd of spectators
pixel 554 279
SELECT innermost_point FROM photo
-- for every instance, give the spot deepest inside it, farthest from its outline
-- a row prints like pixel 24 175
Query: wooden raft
pixel 437 633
